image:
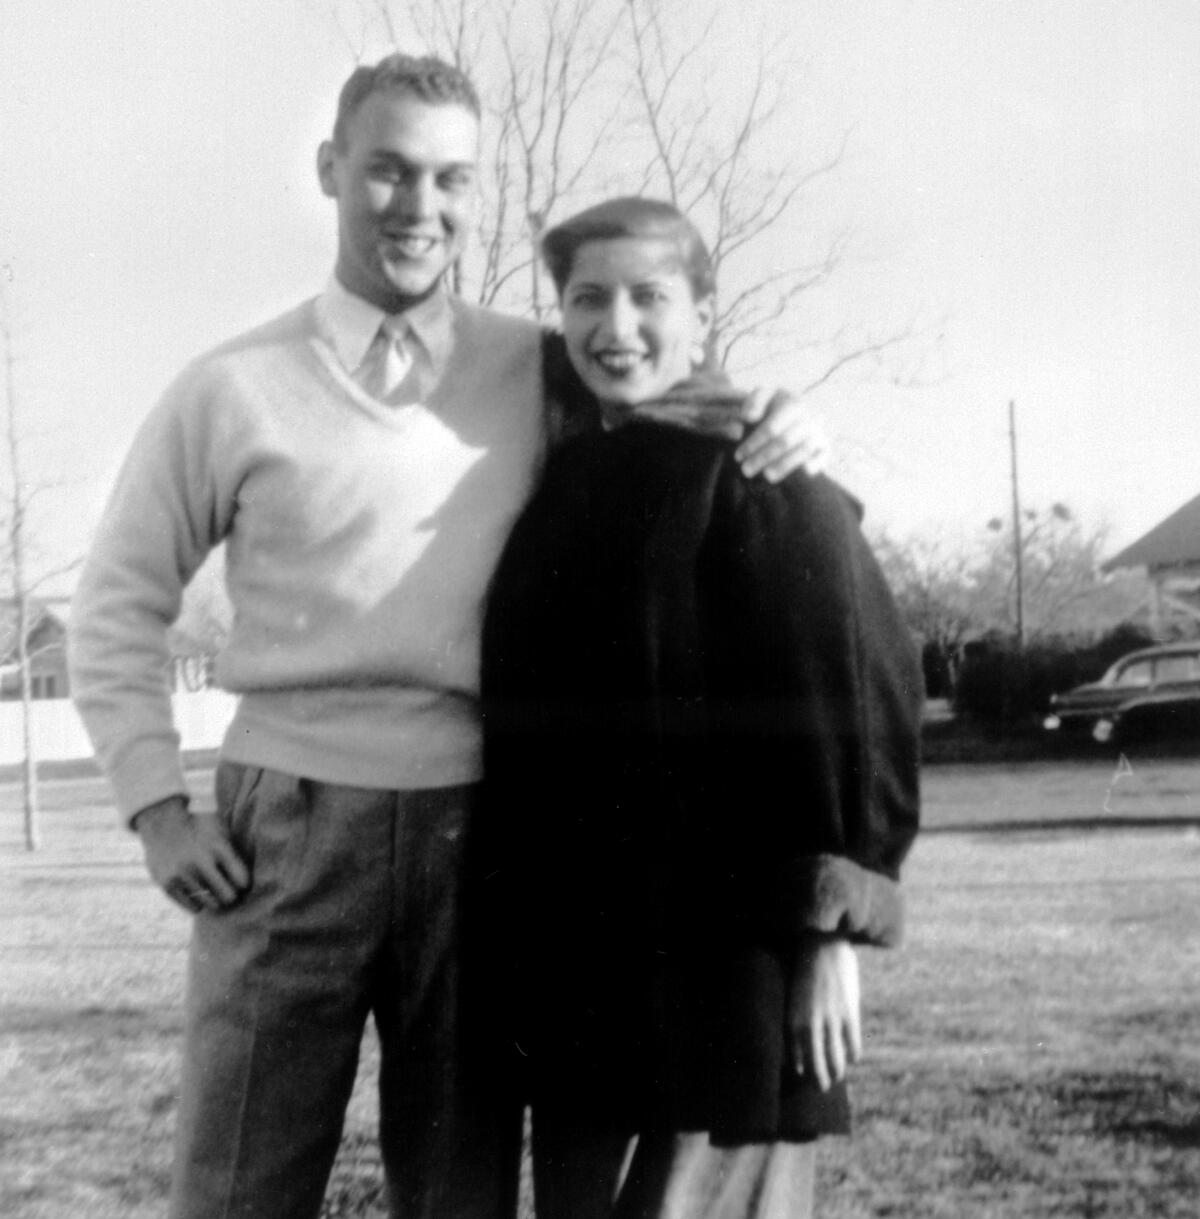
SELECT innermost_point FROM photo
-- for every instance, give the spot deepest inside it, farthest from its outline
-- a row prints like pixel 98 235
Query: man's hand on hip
pixel 189 856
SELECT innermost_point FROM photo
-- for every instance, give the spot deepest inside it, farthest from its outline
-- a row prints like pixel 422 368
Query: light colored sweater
pixel 360 539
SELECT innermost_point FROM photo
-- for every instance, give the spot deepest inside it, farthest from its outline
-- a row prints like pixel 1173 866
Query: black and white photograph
pixel 600 609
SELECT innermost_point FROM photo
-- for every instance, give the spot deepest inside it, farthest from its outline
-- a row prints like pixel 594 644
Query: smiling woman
pixel 701 713
pixel 632 324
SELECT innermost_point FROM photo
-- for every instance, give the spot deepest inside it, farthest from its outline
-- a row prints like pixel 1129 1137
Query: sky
pixel 1022 180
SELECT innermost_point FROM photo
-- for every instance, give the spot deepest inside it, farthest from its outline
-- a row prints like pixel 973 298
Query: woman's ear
pixel 705 315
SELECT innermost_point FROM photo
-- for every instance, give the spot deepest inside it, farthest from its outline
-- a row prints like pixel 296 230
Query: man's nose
pixel 417 197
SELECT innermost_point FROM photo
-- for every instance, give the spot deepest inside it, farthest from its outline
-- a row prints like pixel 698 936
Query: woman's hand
pixel 824 1024
pixel 782 436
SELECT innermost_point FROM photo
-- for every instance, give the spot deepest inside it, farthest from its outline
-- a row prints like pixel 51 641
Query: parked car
pixel 1147 695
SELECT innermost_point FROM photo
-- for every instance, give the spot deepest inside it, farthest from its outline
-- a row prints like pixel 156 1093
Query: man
pixel 362 458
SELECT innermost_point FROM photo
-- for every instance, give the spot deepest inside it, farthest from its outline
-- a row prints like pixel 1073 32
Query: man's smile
pixel 410 245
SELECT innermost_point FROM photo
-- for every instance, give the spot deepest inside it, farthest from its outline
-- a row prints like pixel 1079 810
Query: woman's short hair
pixel 426 78
pixel 630 216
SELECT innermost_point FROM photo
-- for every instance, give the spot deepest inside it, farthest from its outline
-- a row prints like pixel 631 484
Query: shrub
pixel 1000 685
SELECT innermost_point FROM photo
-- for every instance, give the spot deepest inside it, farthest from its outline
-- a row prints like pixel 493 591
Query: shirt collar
pixel 350 323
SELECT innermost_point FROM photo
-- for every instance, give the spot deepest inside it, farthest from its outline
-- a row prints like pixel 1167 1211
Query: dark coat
pixel 701 725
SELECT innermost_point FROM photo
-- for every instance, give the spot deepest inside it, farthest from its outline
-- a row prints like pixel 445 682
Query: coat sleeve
pixel 821 692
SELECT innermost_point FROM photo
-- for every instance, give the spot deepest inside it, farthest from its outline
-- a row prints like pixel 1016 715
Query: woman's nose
pixel 622 317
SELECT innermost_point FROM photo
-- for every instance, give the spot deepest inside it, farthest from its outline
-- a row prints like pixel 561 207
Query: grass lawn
pixel 1034 1050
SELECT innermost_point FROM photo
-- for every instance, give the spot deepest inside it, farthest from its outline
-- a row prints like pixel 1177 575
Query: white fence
pixel 58 733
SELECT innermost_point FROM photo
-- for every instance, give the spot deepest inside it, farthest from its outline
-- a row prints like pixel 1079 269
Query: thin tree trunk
pixel 29 775
pixel 16 545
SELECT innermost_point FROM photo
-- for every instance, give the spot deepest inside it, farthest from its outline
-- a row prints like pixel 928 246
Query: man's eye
pixel 385 173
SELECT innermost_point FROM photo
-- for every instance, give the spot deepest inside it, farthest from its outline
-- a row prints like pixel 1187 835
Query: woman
pixel 701 769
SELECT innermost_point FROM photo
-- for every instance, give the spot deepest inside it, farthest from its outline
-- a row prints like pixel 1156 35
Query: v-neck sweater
pixel 360 539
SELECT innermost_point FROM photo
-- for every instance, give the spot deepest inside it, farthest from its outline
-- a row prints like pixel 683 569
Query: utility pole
pixel 1016 511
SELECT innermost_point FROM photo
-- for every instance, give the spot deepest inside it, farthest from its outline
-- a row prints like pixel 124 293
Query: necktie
pixel 388 359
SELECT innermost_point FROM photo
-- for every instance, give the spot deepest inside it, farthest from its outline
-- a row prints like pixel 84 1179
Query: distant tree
pixel 717 158
pixel 951 594
pixel 23 568
pixel 1064 590
pixel 932 584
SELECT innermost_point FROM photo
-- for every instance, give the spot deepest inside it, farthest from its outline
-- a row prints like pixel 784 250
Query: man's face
pixel 405 185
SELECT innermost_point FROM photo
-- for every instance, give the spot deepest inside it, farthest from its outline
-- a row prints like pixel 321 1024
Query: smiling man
pixel 404 177
pixel 362 458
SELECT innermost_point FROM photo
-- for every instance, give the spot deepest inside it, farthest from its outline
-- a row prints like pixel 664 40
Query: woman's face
pixel 630 320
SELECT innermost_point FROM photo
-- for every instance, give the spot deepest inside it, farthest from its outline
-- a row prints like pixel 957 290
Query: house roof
pixel 1174 542
pixel 38 613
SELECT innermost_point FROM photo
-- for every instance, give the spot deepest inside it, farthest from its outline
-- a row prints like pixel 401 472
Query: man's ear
pixel 326 158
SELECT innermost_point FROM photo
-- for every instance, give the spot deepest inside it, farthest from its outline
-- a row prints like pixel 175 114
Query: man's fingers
pixel 207 889
pixel 231 865
pixel 756 448
pixel 212 887
pixel 754 406
pixel 804 456
pixel 219 872
pixel 778 456
pixel 185 895
pixel 211 875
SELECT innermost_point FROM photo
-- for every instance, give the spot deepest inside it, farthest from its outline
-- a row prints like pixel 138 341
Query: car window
pixel 1135 674
pixel 1176 668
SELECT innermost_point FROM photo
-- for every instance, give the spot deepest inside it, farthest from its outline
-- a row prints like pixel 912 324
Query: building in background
pixel 1170 554
pixel 46 643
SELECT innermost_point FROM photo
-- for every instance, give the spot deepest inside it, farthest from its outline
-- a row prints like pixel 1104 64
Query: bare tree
pixel 932 584
pixel 1064 591
pixel 25 575
pixel 592 97
pixel 722 161
pixel 949 594
pixel 542 67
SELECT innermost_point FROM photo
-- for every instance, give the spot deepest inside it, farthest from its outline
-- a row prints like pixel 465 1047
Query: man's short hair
pixel 425 77
pixel 636 217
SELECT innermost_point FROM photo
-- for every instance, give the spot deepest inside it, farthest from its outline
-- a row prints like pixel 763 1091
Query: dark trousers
pixel 353 911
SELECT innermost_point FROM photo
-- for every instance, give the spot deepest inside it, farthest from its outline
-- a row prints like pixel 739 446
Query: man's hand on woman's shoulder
pixel 783 435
